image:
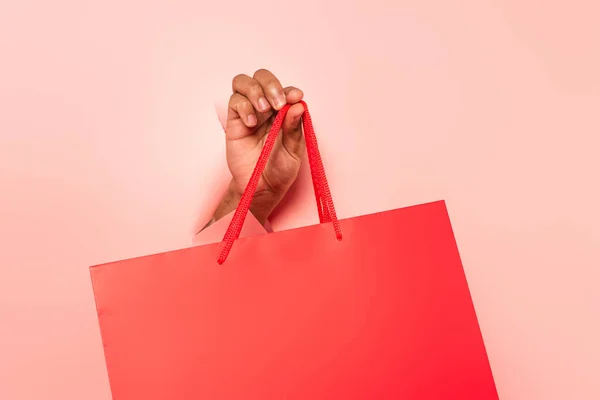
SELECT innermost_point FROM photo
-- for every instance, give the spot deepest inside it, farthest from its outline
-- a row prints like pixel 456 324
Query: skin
pixel 252 109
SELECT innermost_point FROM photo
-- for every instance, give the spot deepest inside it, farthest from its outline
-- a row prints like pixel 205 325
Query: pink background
pixel 110 148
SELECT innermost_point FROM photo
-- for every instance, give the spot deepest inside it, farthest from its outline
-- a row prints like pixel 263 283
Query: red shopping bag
pixel 373 307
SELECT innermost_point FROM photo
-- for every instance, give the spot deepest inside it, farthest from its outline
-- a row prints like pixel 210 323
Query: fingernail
pixel 263 104
pixel 252 120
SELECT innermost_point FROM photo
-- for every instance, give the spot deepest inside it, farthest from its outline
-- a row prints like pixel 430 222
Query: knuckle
pixel 239 102
pixel 274 88
pixel 246 106
pixel 238 81
pixel 262 72
pixel 234 98
pixel 238 78
pixel 254 89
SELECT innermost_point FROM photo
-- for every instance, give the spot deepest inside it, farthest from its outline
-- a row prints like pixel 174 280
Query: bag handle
pixel 321 187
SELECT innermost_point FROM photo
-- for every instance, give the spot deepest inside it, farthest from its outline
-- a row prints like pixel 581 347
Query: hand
pixel 252 109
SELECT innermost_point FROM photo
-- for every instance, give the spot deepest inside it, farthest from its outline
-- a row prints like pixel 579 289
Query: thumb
pixel 293 139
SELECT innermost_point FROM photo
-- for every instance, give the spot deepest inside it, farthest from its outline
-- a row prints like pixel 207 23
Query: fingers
pixel 241 107
pixel 255 99
pixel 271 88
pixel 253 90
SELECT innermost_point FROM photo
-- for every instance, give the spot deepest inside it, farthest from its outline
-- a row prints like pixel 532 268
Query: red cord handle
pixel 322 194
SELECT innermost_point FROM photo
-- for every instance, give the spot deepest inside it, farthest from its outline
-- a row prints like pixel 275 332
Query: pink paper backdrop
pixel 110 148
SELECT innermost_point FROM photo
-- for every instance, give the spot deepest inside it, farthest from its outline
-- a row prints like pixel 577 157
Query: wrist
pixel 263 204
pixel 228 203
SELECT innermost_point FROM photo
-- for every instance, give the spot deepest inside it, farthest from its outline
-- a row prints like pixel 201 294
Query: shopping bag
pixel 372 307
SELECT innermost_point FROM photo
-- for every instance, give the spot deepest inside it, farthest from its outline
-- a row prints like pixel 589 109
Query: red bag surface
pixel 372 307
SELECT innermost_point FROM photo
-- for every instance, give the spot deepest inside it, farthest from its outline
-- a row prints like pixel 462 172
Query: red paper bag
pixel 373 307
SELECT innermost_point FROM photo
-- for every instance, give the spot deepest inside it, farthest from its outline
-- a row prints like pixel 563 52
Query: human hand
pixel 252 109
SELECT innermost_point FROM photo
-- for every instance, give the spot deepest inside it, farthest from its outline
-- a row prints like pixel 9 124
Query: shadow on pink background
pixel 110 148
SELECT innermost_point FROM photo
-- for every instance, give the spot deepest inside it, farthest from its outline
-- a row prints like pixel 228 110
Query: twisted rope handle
pixel 323 197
